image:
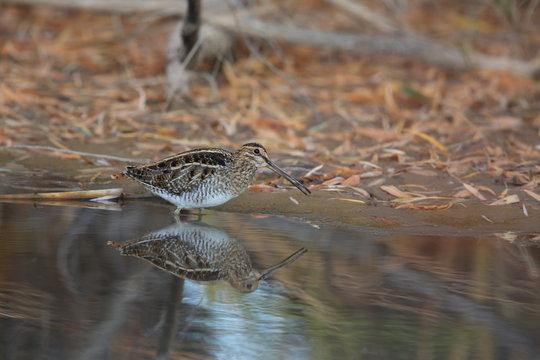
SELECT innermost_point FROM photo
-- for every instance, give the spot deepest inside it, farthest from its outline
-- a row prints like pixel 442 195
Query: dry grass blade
pixel 428 138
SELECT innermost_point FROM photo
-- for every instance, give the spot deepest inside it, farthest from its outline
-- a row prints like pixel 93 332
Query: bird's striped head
pixel 255 152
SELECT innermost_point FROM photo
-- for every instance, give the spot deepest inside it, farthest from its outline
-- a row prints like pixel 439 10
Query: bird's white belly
pixel 192 201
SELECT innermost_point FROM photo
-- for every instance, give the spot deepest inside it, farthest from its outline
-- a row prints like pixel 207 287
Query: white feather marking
pixel 189 201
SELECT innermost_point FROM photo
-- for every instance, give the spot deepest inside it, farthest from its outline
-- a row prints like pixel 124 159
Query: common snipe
pixel 196 251
pixel 206 177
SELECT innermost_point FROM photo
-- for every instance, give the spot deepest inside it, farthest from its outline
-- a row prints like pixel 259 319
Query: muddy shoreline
pixel 27 172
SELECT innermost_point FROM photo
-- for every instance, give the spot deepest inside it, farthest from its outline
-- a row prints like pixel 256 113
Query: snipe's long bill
pixel 272 165
pixel 206 177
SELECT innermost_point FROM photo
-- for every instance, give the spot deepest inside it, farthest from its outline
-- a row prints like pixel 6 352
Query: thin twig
pixel 81 153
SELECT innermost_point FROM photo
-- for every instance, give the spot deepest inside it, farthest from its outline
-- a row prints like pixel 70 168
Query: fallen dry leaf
pixel 361 192
pixel 535 196
pixel 428 138
pixel 473 174
pixel 334 181
pixel 425 207
pixel 349 200
pixel 503 194
pixel 394 191
pixel 510 199
pixel 313 171
pixel 464 193
pixel 376 182
pixel 368 164
pixel 474 191
pixel 415 186
pixel 337 190
pixel 370 174
pixel 487 219
pixel 352 181
pixel 423 172
pixel 294 200
pixel 486 189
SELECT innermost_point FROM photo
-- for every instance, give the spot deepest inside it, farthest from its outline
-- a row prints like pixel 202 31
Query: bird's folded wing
pixel 172 255
pixel 182 172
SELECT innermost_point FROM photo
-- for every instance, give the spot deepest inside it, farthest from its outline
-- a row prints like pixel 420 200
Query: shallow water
pixel 357 293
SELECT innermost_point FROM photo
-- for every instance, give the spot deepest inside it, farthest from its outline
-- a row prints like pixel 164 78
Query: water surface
pixel 356 294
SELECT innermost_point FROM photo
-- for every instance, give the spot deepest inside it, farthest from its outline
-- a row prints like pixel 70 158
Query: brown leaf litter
pixel 402 133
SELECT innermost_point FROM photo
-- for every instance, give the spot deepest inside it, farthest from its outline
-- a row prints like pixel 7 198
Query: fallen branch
pixel 105 205
pixel 95 195
pixel 412 47
pixel 164 7
pixel 367 15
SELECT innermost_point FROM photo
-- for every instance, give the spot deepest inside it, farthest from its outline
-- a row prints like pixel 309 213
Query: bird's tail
pixel 123 174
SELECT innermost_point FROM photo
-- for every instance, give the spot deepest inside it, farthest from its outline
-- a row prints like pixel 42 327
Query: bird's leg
pixel 200 214
pixel 177 213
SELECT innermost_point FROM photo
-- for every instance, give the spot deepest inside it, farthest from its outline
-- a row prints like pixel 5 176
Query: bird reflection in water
pixel 196 251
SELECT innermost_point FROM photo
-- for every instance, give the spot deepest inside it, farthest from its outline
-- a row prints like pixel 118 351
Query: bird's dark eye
pixel 257 151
